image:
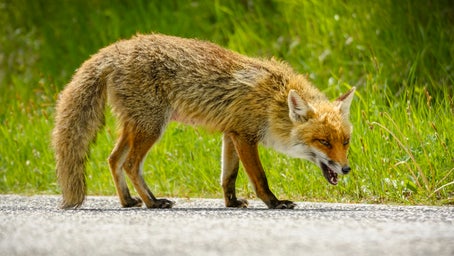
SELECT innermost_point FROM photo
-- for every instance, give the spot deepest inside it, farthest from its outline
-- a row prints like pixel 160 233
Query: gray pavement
pixel 34 226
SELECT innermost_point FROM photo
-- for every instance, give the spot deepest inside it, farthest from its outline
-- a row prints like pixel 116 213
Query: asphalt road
pixel 34 226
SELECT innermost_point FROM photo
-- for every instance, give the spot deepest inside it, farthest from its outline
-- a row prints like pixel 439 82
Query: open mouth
pixel 329 174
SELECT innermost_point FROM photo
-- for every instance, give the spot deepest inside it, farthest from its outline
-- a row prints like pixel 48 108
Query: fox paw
pixel 238 203
pixel 162 203
pixel 283 204
pixel 132 202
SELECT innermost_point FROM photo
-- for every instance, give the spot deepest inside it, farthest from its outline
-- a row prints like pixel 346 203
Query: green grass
pixel 398 53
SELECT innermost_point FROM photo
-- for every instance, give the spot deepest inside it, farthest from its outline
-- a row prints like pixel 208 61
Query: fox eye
pixel 325 143
pixel 346 142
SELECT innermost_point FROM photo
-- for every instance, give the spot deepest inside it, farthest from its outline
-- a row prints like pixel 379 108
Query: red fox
pixel 150 80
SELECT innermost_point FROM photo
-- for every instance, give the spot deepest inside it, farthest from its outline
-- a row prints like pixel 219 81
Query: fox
pixel 150 80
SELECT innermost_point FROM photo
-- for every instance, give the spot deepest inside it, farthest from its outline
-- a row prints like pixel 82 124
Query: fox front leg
pixel 230 165
pixel 248 154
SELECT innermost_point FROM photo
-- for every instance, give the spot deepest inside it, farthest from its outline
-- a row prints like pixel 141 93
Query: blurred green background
pixel 399 54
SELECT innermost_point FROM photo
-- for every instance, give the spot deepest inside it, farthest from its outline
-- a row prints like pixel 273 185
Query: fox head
pixel 321 133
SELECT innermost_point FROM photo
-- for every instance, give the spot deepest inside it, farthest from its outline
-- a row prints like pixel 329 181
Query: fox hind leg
pixel 140 141
pixel 230 165
pixel 116 161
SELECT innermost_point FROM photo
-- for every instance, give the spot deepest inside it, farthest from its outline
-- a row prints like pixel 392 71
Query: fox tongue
pixel 329 174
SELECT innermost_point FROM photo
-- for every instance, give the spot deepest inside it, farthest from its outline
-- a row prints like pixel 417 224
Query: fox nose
pixel 346 169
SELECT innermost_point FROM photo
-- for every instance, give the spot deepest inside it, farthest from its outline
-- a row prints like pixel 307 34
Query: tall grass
pixel 398 54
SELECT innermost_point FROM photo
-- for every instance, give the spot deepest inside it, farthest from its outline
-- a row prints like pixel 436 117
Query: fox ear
pixel 345 101
pixel 299 109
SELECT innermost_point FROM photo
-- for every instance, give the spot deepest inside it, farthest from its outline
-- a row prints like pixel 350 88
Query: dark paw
pixel 162 203
pixel 133 202
pixel 283 204
pixel 238 203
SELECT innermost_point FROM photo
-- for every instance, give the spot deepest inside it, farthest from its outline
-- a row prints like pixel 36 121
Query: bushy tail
pixel 79 116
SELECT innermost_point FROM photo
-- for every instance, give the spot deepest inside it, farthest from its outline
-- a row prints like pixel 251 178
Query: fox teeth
pixel 333 176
